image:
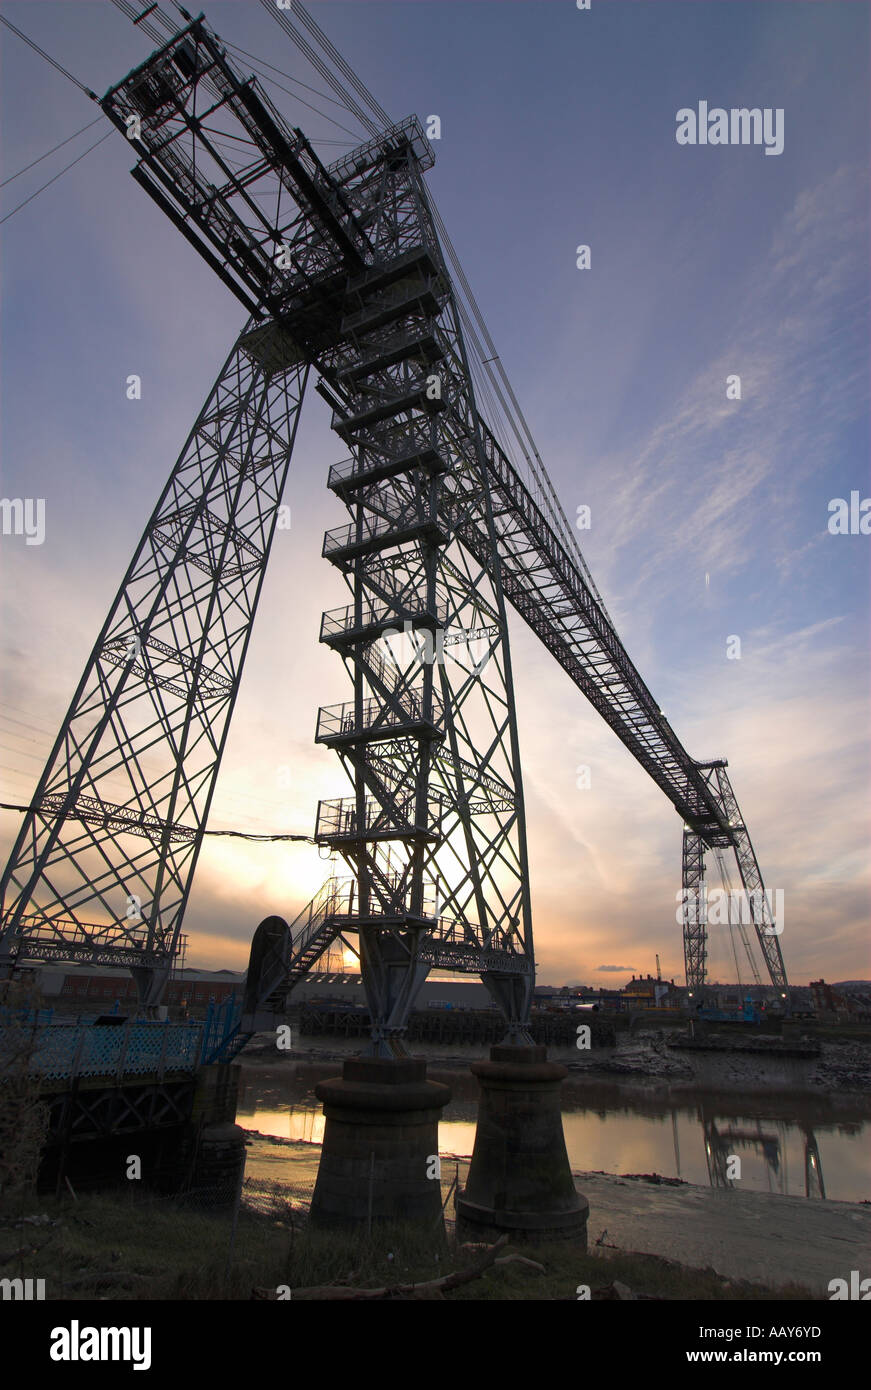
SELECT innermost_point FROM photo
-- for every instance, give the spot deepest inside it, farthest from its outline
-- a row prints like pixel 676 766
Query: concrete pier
pixel 519 1179
pixel 380 1140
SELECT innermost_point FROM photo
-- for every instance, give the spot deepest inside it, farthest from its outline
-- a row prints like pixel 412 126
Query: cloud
pixel 706 478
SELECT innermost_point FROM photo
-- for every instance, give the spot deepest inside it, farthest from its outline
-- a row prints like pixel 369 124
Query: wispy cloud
pixel 700 490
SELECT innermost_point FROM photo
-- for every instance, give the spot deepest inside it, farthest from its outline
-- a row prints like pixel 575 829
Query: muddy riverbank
pixel 641 1059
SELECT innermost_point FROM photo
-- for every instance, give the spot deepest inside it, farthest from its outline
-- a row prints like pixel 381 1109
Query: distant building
pixel 849 1003
pixel 648 992
pixel 76 988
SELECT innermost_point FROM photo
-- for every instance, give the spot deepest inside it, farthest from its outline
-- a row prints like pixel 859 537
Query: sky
pixel 709 515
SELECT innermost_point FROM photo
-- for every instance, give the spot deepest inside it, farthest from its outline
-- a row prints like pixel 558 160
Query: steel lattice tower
pixel 341 269
pixel 435 832
pixel 102 866
pixel 733 835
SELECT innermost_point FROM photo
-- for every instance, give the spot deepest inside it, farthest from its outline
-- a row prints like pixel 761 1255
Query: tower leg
pixel 102 866
pixel 512 994
pixel 150 985
pixel 695 930
pixel 392 977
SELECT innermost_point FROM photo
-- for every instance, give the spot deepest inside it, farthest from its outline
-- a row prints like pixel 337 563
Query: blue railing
pixel 220 1028
pixel 81 1047
pixel 66 1050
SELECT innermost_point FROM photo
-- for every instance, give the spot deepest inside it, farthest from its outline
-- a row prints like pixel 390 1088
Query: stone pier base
pixel 519 1180
pixel 219 1166
pixel 380 1140
pixel 211 1159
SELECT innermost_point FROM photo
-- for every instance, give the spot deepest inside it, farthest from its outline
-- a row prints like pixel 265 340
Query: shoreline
pixel 742 1236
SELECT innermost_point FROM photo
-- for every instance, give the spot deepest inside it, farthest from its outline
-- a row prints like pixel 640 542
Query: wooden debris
pixel 515 1259
pixel 430 1288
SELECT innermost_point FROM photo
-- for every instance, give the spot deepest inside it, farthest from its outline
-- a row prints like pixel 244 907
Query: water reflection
pixel 724 1144
pixel 794 1145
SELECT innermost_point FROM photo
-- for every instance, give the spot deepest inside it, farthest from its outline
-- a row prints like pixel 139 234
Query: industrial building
pixel 78 988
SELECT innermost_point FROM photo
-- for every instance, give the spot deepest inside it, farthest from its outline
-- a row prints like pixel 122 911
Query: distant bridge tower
pixel 728 832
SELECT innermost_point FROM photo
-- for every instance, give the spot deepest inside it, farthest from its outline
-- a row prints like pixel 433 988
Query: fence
pixel 65 1050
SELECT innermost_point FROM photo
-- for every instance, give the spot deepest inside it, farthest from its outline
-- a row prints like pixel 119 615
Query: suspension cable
pixel 344 67
pixel 324 96
pixel 317 62
pixel 516 419
pixel 56 177
pixel 727 884
pixel 727 888
pixel 42 53
pixel 144 23
pixel 254 64
pixel 234 834
pixel 53 150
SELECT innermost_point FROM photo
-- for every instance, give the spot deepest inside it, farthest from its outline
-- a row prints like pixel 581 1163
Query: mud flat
pixel 838 1068
pixel 758 1236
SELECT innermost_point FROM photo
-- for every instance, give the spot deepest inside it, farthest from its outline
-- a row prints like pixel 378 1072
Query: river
pixel 797 1145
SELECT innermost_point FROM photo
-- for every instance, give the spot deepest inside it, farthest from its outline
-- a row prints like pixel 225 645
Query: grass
pixel 120 1246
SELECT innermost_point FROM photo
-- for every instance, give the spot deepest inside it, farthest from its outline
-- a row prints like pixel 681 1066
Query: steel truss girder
pixel 139 750
pixel 546 585
pixel 82 1113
